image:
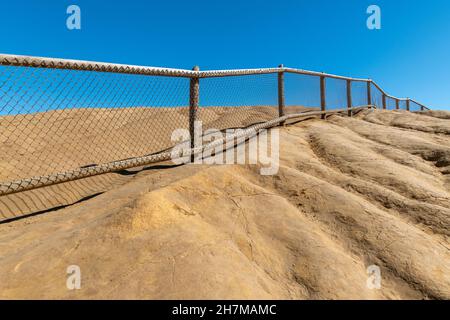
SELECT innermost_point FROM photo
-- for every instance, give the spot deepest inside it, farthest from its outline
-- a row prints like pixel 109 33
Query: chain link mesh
pixel 390 103
pixel 336 93
pixel 238 101
pixel 376 96
pixel 302 92
pixel 402 105
pixel 359 93
pixel 61 120
pixel 414 107
pixel 55 120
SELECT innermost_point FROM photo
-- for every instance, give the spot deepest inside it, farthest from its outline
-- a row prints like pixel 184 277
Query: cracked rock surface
pixel 349 193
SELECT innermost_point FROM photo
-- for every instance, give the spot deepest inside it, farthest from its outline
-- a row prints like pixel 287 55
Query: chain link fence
pixel 62 120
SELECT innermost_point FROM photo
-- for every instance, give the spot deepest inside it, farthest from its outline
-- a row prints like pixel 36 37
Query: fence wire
pixel 376 96
pixel 402 105
pixel 55 120
pixel 390 103
pixel 336 94
pixel 301 92
pixel 359 93
pixel 238 101
pixel 61 116
pixel 414 107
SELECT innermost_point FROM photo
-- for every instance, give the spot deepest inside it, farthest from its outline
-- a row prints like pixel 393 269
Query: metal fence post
pixel 281 100
pixel 349 97
pixel 323 102
pixel 407 104
pixel 194 88
pixel 397 104
pixel 369 92
pixel 384 101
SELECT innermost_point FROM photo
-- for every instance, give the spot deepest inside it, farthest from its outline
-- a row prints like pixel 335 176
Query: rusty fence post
pixel 281 98
pixel 349 97
pixel 407 104
pixel 194 89
pixel 369 92
pixel 397 104
pixel 323 102
pixel 384 101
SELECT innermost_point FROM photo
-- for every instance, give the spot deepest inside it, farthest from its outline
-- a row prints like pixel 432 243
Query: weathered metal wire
pixel 67 64
pixel 48 105
pixel 71 175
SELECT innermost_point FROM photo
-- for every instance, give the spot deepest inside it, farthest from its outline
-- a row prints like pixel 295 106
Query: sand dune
pixel 350 193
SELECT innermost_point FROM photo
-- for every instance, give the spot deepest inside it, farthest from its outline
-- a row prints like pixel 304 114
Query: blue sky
pixel 409 56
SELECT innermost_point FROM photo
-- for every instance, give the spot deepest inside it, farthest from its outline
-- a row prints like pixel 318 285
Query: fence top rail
pixel 69 64
pixel 420 104
pixel 385 93
pixel 395 98
pixel 240 72
pixel 52 63
pixel 322 74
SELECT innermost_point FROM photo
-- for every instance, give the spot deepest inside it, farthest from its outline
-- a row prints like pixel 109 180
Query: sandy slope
pixel 350 193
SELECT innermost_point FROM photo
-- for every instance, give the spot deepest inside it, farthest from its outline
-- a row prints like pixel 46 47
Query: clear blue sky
pixel 409 56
